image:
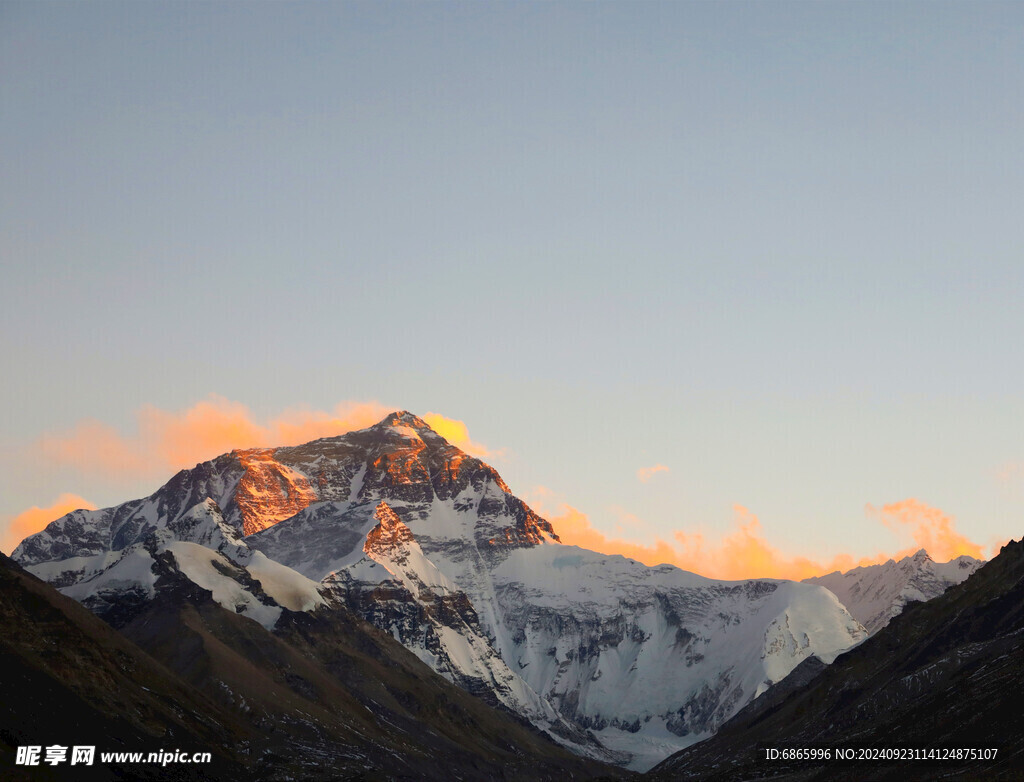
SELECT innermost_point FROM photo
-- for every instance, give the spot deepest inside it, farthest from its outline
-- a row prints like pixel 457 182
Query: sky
pixel 736 285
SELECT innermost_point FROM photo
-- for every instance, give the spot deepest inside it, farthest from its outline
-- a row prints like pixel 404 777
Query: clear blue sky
pixel 776 247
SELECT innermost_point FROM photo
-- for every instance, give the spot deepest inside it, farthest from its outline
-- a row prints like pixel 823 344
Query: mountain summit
pixel 614 659
pixel 876 593
pixel 405 418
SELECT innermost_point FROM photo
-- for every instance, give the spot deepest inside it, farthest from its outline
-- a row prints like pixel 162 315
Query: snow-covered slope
pixel 389 580
pixel 208 485
pixel 650 659
pixel 430 545
pixel 245 582
pixel 654 659
pixel 876 593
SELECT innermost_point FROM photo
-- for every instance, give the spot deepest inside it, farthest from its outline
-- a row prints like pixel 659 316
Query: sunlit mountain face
pixel 268 491
pixel 615 660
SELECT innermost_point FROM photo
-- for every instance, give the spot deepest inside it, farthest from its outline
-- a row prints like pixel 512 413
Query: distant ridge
pixel 876 593
pixel 947 673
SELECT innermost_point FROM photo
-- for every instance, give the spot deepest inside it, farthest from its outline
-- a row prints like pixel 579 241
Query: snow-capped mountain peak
pixel 874 594
pixel 404 419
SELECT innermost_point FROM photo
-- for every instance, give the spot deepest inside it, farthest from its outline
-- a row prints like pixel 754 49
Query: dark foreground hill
pixel 321 698
pixel 946 675
pixel 69 679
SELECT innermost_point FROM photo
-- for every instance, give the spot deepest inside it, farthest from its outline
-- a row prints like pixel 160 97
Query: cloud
pixel 166 441
pixel 644 474
pixel 456 433
pixel 218 425
pixel 96 448
pixel 574 529
pixel 30 521
pixel 931 529
pixel 745 551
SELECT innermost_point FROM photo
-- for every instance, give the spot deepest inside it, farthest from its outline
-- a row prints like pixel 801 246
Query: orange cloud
pixel 574 529
pixel 167 441
pixel 34 519
pixel 931 529
pixel 218 425
pixel 644 474
pixel 745 552
pixel 456 433
pixel 94 447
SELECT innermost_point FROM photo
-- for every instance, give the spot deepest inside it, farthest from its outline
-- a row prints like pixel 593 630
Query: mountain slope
pixel 876 593
pixel 335 696
pixel 328 697
pixel 69 679
pixel 947 673
pixel 615 659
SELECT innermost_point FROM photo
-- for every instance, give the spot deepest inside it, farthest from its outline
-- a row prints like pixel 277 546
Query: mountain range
pixel 393 528
pixel 874 594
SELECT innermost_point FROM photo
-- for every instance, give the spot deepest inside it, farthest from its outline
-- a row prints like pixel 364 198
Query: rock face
pixel 615 659
pixel 877 593
pixel 268 491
